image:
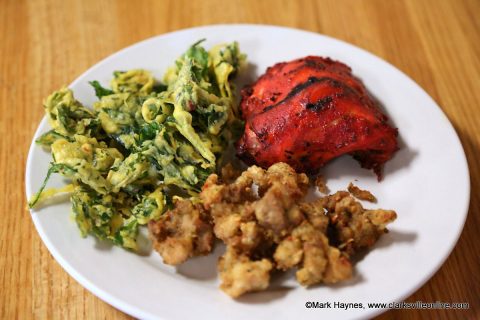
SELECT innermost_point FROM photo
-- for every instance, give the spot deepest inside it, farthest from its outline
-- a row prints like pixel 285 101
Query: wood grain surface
pixel 47 44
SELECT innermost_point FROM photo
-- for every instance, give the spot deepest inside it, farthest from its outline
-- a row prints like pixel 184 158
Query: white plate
pixel 427 183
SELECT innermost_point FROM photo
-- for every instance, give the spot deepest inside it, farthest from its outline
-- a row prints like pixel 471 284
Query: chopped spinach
pixel 144 142
pixel 99 90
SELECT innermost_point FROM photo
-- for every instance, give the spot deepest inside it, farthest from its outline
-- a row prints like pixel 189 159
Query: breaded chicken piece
pixel 238 192
pixel 361 194
pixel 354 227
pixel 289 253
pixel 261 218
pixel 272 212
pixel 274 209
pixel 239 274
pixel 315 214
pixel 182 233
pixel 249 222
pixel 308 248
pixel 321 184
pixel 241 233
pixel 317 260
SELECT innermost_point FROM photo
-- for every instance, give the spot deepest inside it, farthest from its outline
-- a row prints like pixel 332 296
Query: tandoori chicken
pixel 309 111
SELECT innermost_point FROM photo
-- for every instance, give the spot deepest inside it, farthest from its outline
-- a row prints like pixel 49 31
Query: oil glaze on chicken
pixel 308 111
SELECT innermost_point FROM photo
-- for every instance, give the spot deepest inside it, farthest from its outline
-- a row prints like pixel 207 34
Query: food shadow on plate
pixel 402 159
pixel 347 166
pixel 203 267
pixel 281 283
pixel 262 297
pixel 356 279
pixel 405 155
pixel 103 245
pixel 395 237
pixel 144 245
pixel 246 76
pixel 392 238
pixel 280 286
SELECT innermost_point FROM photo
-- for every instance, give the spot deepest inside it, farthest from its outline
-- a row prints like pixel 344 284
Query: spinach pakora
pixel 144 142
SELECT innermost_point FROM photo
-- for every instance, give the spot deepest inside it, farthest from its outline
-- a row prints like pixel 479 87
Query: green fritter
pixel 143 142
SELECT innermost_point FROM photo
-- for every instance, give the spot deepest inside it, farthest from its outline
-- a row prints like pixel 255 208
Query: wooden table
pixel 46 44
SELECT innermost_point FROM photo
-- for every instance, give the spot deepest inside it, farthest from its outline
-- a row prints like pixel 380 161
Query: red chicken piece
pixel 309 111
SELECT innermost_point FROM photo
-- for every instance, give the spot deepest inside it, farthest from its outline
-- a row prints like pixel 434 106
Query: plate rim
pixel 135 311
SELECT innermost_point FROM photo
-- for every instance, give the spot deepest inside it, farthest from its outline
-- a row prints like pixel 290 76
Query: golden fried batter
pixel 243 234
pixel 239 274
pixel 356 228
pixel 361 194
pixel 229 173
pixel 274 224
pixel 250 223
pixel 315 213
pixel 265 225
pixel 321 184
pixel 318 261
pixel 182 233
pixel 289 253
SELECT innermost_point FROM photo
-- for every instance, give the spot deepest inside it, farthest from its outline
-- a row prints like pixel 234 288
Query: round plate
pixel 429 169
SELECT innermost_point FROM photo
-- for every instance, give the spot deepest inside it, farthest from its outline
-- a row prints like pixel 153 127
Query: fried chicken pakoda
pixel 266 225
pixel 182 233
pixel 361 194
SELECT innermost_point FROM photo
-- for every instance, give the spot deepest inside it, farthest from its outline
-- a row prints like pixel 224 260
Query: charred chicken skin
pixel 309 111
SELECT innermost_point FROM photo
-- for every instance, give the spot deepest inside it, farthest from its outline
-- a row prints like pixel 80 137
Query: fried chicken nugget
pixel 181 233
pixel 280 192
pixel 317 260
pixel 261 218
pixel 361 194
pixel 354 227
pixel 239 274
